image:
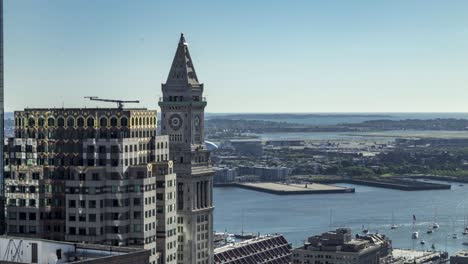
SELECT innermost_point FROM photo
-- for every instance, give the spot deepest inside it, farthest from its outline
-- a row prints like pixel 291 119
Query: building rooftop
pixel 84 109
pixel 461 254
pixel 264 249
pixel 34 250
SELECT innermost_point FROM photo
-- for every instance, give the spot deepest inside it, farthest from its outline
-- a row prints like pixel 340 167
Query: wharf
pixel 401 184
pixel 409 256
pixel 291 189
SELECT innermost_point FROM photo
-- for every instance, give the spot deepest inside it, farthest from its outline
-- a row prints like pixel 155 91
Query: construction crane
pixel 120 103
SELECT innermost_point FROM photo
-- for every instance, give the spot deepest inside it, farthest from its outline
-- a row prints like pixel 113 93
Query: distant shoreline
pixel 295 116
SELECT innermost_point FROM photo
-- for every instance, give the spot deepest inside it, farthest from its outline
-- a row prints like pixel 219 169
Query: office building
pixel 96 175
pixel 339 246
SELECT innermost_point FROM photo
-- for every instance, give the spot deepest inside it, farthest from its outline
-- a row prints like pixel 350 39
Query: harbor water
pixel 300 216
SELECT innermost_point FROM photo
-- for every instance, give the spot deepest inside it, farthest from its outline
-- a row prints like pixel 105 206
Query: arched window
pixel 70 122
pixel 41 121
pixel 90 122
pixel 60 122
pixel 141 122
pixel 51 121
pixel 31 121
pixel 113 121
pixel 124 121
pixel 80 122
pixel 103 122
pixel 147 121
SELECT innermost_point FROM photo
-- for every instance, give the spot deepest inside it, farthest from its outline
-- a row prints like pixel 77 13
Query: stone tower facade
pixel 182 119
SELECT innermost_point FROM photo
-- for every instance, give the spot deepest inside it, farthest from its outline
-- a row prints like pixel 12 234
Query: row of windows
pixel 103 133
pixel 89 122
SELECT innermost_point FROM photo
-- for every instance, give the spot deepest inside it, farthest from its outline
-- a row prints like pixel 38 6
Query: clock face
pixel 175 122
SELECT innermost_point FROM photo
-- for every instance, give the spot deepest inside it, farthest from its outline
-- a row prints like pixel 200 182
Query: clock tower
pixel 182 119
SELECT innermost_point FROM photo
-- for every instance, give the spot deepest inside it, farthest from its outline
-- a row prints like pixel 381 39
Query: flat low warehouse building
pixel 27 250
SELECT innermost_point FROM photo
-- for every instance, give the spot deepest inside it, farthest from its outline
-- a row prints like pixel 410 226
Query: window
pixel 92 231
pixel 80 122
pixel 92 217
pixel 31 122
pixel 90 122
pixel 12 215
pixel 102 149
pixel 70 122
pixel 60 122
pixel 160 196
pixel 51 121
pixel 92 204
pixel 136 215
pixel 72 203
pixel 113 121
pixel 41 121
pixel 72 217
pixel 124 121
pixel 103 122
pixel 136 201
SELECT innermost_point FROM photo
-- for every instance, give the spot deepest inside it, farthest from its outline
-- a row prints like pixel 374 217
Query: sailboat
pixel 415 234
pixel 429 230
pixel 393 226
pixel 365 230
pixel 243 235
pixel 465 228
pixel 454 236
pixel 435 225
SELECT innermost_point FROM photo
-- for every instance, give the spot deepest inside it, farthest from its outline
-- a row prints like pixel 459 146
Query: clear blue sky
pixel 253 56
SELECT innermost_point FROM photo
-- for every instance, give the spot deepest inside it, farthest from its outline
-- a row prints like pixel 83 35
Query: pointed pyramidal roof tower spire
pixel 182 70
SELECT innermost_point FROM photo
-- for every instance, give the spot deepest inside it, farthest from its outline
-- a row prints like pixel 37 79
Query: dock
pixel 292 189
pixel 409 256
pixel 402 184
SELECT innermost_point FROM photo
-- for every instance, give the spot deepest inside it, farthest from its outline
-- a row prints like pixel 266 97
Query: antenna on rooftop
pixel 120 103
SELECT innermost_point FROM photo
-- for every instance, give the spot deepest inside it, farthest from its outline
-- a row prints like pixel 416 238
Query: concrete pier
pixel 290 189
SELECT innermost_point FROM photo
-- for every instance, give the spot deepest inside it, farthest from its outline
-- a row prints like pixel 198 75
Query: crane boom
pixel 120 103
